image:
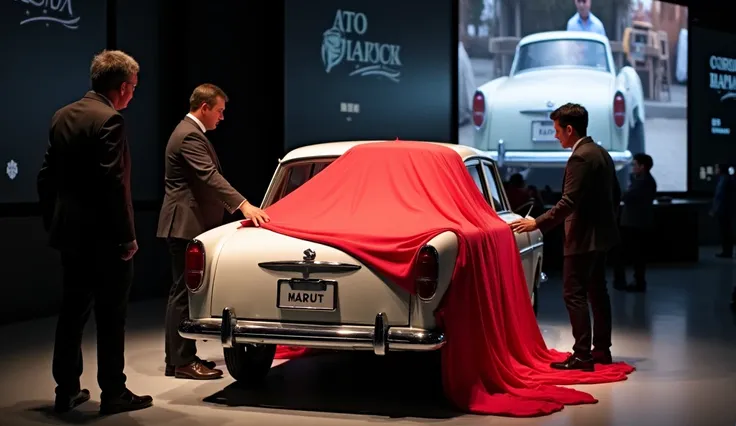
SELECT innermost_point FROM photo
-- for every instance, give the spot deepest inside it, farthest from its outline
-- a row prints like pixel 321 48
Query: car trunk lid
pixel 263 275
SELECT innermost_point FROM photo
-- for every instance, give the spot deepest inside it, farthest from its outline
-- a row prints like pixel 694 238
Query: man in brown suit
pixel 196 196
pixel 588 207
pixel 84 193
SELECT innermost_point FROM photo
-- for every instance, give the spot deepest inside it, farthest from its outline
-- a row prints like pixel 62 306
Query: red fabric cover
pixel 380 202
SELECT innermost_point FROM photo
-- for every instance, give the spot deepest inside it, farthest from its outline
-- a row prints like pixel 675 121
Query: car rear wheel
pixel 249 364
pixel 637 138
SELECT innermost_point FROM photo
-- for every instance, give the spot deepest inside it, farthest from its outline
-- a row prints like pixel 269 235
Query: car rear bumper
pixel 380 338
pixel 547 159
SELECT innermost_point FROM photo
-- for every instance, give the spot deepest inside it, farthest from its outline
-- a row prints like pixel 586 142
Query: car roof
pixel 336 149
pixel 563 35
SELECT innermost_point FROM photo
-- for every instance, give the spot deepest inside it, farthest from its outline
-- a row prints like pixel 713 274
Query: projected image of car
pixel 549 69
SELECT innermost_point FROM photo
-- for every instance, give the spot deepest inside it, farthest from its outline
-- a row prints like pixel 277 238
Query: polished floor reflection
pixel 681 336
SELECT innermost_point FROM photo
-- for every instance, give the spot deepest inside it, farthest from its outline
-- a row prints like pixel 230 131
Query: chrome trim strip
pixel 531 247
pixel 308 267
pixel 537 111
pixel 346 337
pixel 550 159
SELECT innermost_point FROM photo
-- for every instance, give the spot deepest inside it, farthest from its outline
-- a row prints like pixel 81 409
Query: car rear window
pixel 294 175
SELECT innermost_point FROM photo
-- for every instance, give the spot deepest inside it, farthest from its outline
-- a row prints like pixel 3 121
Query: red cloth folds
pixel 381 202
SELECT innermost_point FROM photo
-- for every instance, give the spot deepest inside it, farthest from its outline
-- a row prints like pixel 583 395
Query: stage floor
pixel 681 336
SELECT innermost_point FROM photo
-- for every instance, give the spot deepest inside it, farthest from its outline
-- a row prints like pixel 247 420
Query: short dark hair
pixel 645 160
pixel 110 69
pixel 205 93
pixel 574 115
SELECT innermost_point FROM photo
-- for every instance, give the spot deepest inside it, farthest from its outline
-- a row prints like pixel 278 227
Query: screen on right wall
pixel 713 116
pixel 632 80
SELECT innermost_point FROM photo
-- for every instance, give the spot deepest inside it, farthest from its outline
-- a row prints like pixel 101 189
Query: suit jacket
pixel 724 197
pixel 196 195
pixel 589 204
pixel 638 209
pixel 84 182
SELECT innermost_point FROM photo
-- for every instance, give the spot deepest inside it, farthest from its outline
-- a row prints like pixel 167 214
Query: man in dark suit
pixel 195 200
pixel 588 207
pixel 724 208
pixel 636 220
pixel 84 193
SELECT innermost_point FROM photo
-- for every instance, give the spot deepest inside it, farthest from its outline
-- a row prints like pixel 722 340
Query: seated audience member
pixel 635 221
pixel 516 191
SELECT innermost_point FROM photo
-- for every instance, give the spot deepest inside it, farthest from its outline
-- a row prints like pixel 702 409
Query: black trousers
pixel 179 351
pixel 584 285
pixel 634 249
pixel 726 231
pixel 97 280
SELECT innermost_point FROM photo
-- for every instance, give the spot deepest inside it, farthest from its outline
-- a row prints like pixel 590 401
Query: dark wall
pixel 393 71
pixel 211 42
pixel 46 55
pixel 33 271
pixel 136 31
pixel 178 44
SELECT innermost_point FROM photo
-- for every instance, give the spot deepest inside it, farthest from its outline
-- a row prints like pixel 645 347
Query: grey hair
pixel 110 69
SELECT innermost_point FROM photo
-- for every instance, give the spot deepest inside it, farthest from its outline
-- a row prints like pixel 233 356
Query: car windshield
pixel 293 175
pixel 562 53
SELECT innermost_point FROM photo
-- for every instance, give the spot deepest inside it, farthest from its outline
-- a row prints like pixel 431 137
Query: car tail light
pixel 427 270
pixel 479 109
pixel 619 109
pixel 194 265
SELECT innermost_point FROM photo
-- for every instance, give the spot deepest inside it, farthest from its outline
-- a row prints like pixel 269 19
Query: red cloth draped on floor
pixel 380 202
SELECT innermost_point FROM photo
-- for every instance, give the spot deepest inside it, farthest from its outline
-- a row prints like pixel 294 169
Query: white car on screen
pixel 511 113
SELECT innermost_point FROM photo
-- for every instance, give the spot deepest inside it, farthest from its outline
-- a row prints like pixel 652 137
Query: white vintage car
pixel 255 289
pixel 511 113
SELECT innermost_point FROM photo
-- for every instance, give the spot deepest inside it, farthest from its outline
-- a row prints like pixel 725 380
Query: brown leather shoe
pixel 197 371
pixel 170 369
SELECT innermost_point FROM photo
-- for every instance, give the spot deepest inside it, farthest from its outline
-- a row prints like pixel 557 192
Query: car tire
pixel 249 364
pixel 637 138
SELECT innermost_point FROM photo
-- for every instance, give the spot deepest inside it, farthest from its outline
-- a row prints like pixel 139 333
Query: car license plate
pixel 316 295
pixel 543 131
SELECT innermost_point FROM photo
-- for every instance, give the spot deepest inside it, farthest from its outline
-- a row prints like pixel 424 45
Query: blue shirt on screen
pixel 592 24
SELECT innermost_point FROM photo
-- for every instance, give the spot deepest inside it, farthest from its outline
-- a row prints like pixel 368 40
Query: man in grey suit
pixel 195 200
pixel 636 220
pixel 588 207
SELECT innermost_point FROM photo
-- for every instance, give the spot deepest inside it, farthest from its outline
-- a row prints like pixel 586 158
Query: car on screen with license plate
pixel 254 289
pixel 549 69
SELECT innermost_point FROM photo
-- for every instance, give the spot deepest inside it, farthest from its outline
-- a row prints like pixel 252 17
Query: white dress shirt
pixel 196 120
pixel 577 143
